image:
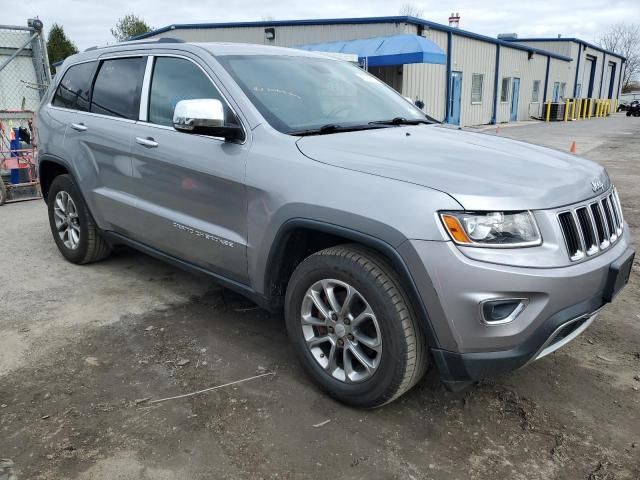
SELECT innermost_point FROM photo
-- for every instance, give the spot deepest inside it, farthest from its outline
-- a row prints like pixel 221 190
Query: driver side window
pixel 176 79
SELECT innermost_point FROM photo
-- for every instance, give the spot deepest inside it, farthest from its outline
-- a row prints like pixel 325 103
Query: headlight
pixel 492 229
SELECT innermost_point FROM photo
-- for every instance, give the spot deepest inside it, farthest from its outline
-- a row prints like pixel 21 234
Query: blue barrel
pixel 14 144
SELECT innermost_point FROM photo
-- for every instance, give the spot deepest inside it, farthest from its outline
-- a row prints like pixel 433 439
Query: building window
pixel 535 96
pixel 504 92
pixel 477 80
pixel 563 87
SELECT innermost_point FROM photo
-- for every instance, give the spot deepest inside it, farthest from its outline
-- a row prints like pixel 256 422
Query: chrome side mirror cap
pixel 205 116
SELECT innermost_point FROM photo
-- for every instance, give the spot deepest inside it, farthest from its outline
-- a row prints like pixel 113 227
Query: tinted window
pixel 176 79
pixel 73 91
pixel 116 91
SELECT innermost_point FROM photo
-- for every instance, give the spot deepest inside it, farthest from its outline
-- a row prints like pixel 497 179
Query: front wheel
pixel 72 226
pixel 353 327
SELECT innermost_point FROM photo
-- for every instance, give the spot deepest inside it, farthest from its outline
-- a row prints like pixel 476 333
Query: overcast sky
pixel 87 22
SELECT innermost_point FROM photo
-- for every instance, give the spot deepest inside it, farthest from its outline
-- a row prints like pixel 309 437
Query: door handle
pixel 80 127
pixel 148 142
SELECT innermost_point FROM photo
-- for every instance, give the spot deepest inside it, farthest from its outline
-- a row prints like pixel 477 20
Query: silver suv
pixel 390 242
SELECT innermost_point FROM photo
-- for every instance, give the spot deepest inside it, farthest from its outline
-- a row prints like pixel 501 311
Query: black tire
pixel 628 113
pixel 404 357
pixel 91 246
pixel 3 192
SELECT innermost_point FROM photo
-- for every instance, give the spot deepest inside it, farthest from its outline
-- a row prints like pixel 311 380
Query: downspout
pixel 575 82
pixel 447 109
pixel 494 115
pixel 546 81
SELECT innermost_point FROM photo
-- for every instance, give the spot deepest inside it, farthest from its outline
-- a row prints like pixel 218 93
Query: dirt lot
pixel 81 346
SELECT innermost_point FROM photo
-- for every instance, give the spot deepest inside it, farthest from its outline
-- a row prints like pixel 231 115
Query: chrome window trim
pixel 92 114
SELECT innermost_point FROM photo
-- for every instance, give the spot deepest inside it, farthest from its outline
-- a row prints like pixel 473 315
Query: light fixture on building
pixel 270 33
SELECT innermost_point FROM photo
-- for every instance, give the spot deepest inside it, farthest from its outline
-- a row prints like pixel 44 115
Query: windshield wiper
pixel 333 128
pixel 404 121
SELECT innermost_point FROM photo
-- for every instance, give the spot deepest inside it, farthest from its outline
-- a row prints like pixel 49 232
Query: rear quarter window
pixel 116 91
pixel 74 88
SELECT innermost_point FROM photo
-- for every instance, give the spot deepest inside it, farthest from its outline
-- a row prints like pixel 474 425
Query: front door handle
pixel 80 127
pixel 148 142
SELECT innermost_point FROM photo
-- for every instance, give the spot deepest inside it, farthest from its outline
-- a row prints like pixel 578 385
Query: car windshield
pixel 304 95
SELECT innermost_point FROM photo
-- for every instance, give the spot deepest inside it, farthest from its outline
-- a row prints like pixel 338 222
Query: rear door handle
pixel 148 142
pixel 80 127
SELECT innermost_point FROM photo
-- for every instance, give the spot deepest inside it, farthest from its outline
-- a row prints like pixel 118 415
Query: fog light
pixel 502 310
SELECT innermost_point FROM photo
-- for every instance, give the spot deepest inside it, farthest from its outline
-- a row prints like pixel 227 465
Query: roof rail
pixel 140 42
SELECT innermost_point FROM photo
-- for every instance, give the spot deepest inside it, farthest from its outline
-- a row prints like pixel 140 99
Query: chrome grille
pixel 593 226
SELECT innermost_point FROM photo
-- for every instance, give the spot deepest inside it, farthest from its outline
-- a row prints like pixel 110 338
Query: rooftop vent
pixel 454 20
pixel 507 36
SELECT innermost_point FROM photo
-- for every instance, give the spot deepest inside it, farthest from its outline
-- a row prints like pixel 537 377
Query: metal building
pixel 484 80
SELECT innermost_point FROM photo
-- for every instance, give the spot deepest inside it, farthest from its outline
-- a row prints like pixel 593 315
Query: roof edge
pixel 568 39
pixel 354 20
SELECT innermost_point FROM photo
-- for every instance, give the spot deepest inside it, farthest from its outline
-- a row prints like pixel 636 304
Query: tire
pixel 89 246
pixel 3 192
pixel 628 113
pixel 402 359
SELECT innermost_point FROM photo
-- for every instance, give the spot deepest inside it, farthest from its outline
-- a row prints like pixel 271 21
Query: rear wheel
pixel 353 327
pixel 72 226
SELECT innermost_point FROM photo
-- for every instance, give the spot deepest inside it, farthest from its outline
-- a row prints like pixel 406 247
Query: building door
pixel 515 93
pixel 590 70
pixel 455 87
pixel 612 77
pixel 556 92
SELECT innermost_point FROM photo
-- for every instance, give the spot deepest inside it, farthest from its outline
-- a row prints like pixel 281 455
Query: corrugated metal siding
pixel 427 82
pixel 469 57
pixel 561 48
pixel 516 64
pixel 559 71
pixel 288 36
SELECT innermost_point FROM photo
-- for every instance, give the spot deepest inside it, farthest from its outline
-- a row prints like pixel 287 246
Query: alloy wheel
pixel 66 220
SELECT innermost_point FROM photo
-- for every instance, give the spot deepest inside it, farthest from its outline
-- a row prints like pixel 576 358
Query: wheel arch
pixel 282 260
pixel 49 167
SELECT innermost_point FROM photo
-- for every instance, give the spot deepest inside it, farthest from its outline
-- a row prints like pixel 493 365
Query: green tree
pixel 129 26
pixel 59 46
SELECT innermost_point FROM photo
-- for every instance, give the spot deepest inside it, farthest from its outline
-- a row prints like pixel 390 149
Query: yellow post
pixel 589 108
pixel 597 108
pixel 566 109
pixel 573 109
pixel 548 115
pixel 579 109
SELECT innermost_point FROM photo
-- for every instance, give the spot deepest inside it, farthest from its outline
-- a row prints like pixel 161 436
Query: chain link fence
pixel 24 66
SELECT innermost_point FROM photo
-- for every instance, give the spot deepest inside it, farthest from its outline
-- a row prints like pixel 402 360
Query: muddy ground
pixel 81 348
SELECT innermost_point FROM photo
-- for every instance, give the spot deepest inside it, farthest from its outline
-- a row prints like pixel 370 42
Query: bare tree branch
pixel 624 38
pixel 411 10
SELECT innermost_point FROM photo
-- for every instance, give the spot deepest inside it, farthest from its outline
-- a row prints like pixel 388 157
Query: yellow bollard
pixel 566 109
pixel 573 109
pixel 589 108
pixel 597 108
pixel 548 110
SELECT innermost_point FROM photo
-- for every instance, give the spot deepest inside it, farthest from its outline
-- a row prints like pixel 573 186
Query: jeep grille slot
pixel 571 235
pixel 591 228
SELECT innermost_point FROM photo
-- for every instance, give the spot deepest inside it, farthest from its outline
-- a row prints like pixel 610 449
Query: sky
pixel 87 22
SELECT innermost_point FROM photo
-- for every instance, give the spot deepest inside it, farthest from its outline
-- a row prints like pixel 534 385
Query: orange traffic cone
pixel 573 147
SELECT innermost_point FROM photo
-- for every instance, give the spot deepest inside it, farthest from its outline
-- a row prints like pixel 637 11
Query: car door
pixel 191 196
pixel 99 140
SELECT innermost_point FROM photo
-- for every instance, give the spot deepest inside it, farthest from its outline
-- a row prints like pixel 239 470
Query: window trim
pixel 146 93
pixel 481 75
pixel 509 81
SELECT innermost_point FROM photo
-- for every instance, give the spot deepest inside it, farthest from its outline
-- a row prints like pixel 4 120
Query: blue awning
pixel 385 51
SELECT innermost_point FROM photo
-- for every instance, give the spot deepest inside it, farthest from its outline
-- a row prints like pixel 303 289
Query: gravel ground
pixel 83 349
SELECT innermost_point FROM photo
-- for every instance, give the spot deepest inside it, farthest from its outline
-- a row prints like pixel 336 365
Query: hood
pixel 482 172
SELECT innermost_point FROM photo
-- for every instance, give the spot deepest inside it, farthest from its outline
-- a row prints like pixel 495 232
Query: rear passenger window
pixel 116 91
pixel 73 91
pixel 176 79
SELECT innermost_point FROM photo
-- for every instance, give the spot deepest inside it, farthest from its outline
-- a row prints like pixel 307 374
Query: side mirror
pixel 205 116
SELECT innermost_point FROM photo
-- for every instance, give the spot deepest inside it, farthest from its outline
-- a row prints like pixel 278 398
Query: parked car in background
pixel 390 243
pixel 633 109
pixel 622 106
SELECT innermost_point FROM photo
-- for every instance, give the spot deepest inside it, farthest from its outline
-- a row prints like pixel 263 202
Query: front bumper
pixel 562 303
